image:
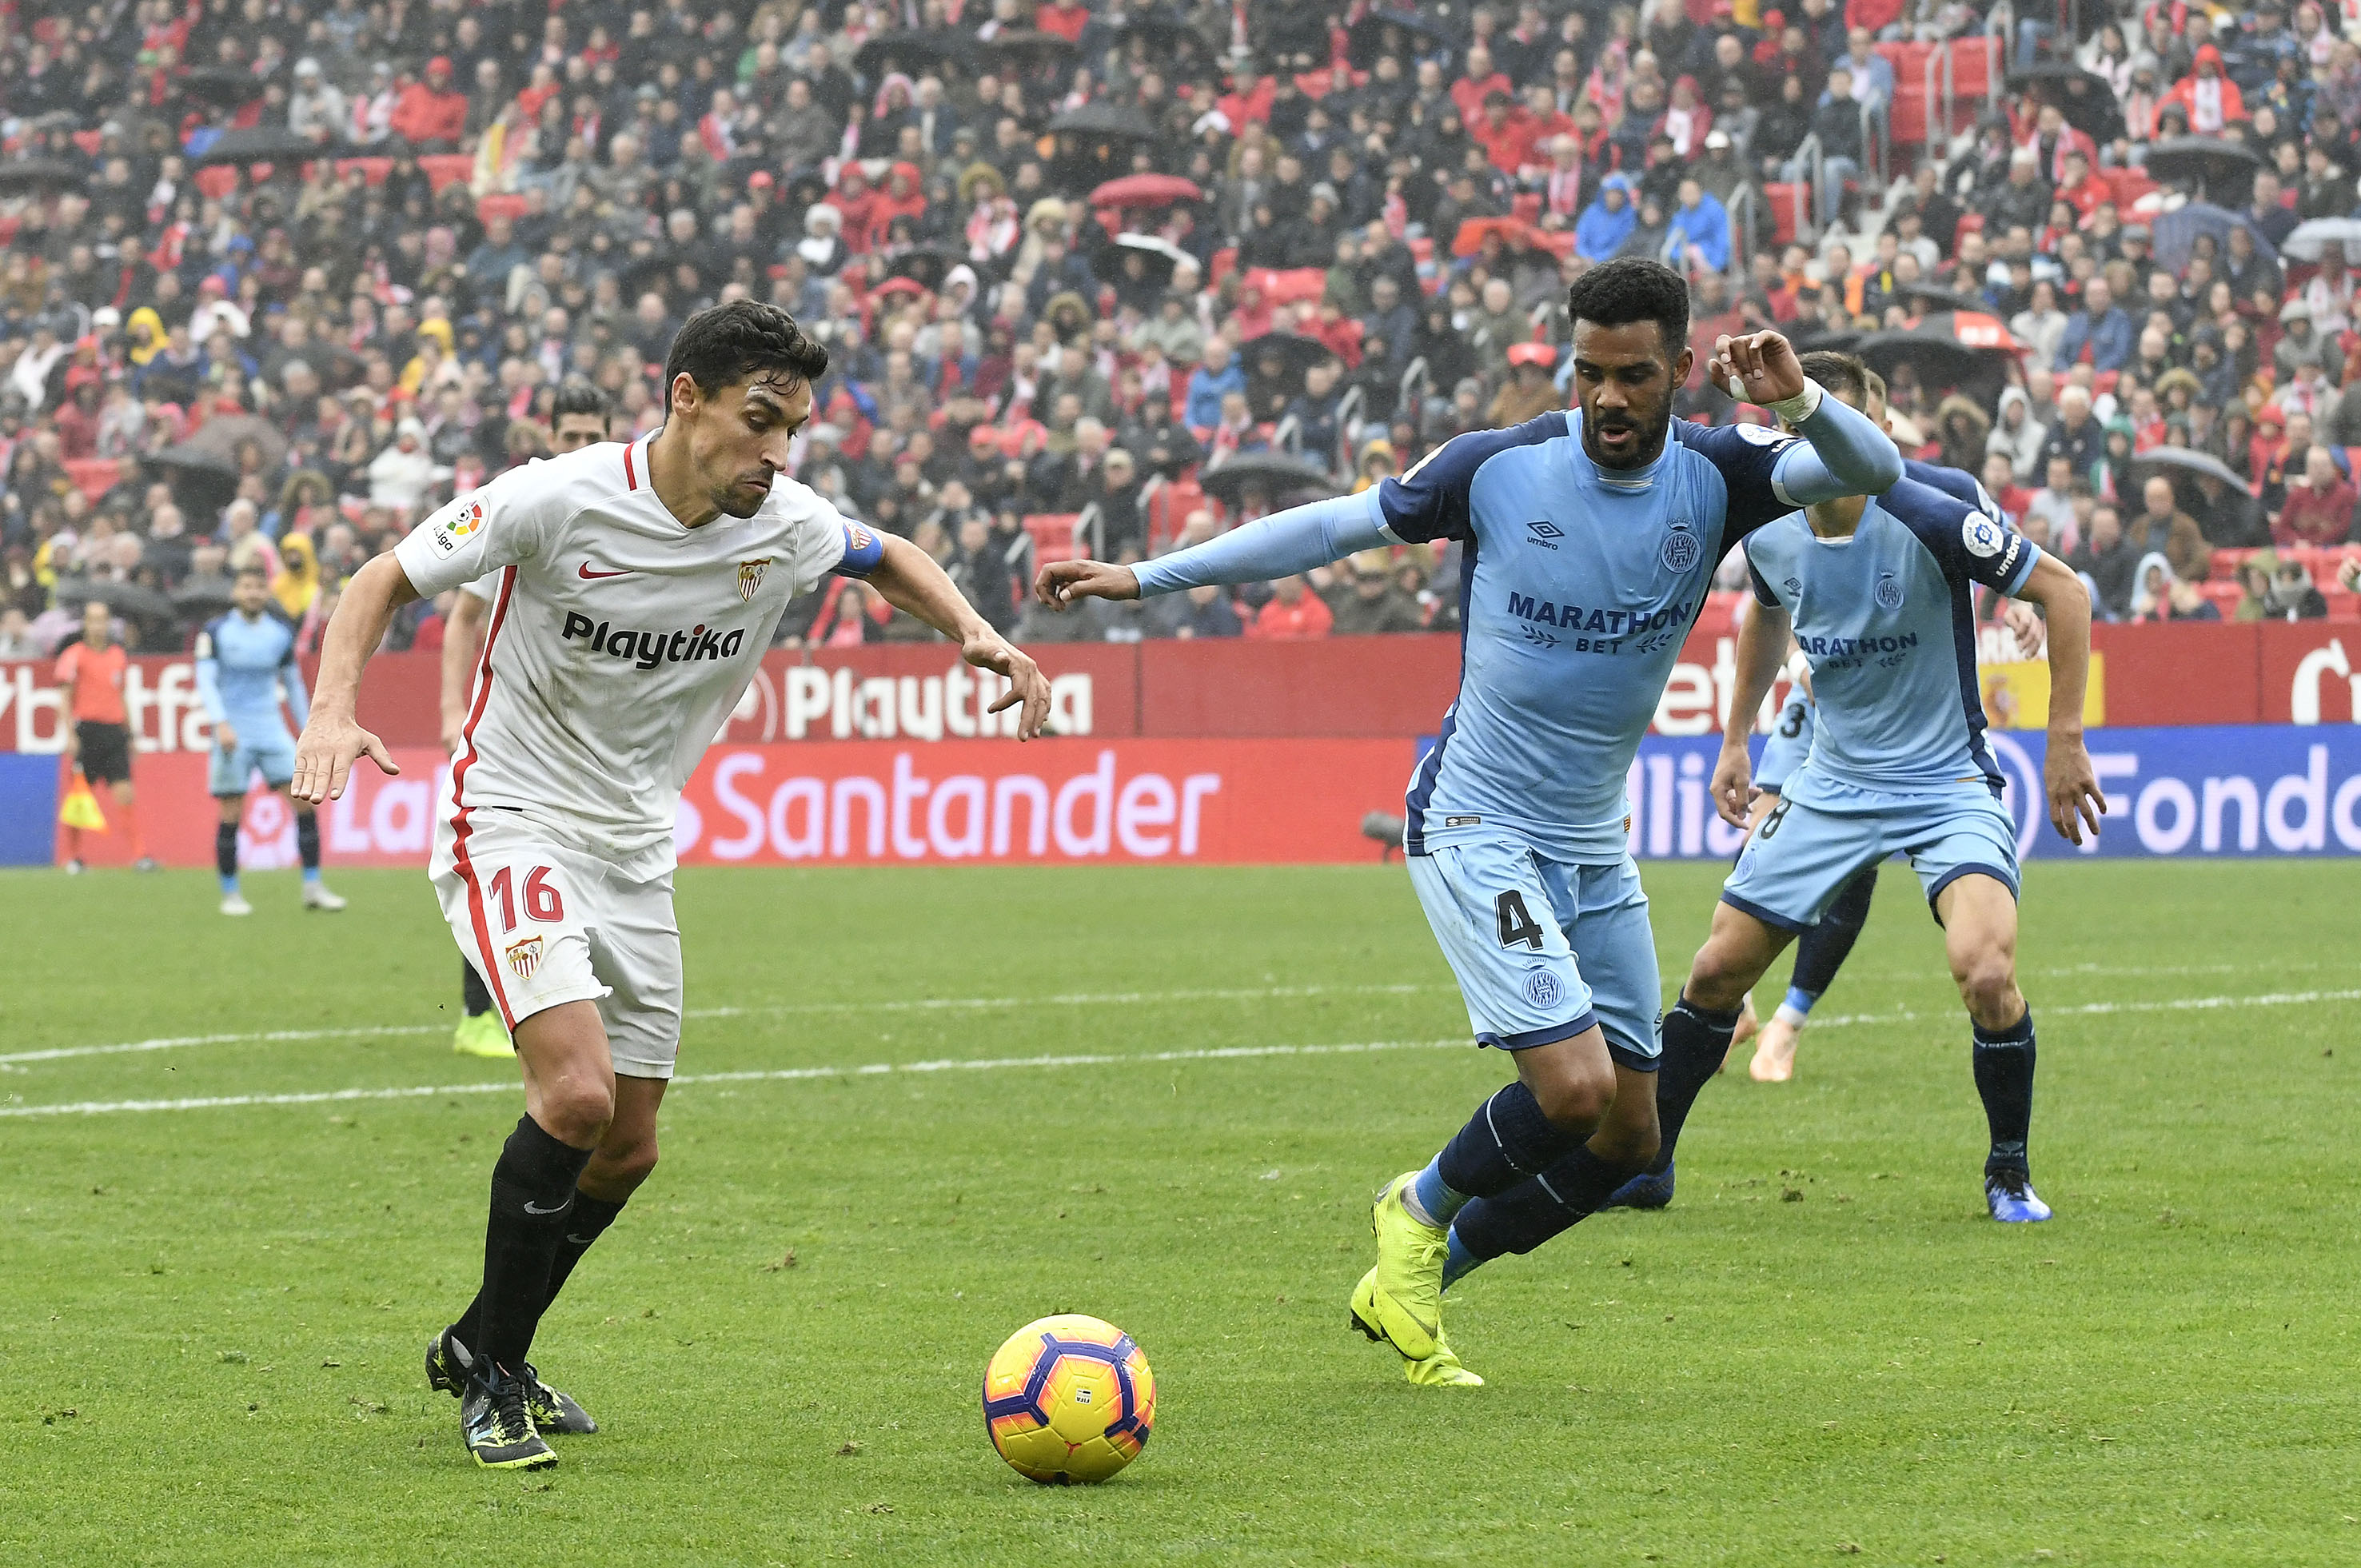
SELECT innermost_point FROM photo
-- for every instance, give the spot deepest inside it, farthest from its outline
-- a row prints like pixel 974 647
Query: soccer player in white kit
pixel 639 586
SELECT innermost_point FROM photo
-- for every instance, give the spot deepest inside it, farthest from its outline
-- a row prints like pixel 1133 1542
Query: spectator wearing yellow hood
pixel 297 581
pixel 434 350
pixel 146 331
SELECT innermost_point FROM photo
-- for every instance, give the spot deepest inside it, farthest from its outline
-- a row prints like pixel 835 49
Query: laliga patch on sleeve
pixel 461 524
pixel 1981 535
pixel 1762 435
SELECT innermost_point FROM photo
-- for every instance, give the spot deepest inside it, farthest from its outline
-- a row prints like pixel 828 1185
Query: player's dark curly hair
pixel 1633 288
pixel 741 341
pixel 1843 374
pixel 580 395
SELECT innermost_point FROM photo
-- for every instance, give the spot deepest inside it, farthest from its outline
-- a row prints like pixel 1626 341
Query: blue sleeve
pixel 1763 594
pixel 1964 542
pixel 1767 474
pixel 864 551
pixel 1429 502
pixel 209 673
pixel 1278 545
pixel 291 676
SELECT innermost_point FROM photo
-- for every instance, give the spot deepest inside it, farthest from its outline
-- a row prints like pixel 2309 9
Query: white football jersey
pixel 617 641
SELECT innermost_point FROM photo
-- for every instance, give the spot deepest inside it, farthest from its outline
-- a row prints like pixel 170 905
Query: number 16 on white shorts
pixel 546 925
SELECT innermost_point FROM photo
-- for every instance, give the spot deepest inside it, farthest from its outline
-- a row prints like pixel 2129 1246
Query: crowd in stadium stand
pixel 281 276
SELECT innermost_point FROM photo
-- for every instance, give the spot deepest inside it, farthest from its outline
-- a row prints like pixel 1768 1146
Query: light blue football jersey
pixel 1578 586
pixel 242 664
pixel 1885 617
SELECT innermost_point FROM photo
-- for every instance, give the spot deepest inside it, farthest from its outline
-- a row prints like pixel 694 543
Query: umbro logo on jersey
pixel 1544 533
pixel 590 577
pixel 649 649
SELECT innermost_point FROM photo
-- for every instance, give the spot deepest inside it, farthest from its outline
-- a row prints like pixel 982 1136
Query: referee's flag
pixel 80 806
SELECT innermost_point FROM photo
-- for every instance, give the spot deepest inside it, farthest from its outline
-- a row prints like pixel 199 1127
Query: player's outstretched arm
pixel 332 742
pixel 1280 546
pixel 1761 649
pixel 1845 454
pixel 2068 777
pixel 463 642
pixel 911 582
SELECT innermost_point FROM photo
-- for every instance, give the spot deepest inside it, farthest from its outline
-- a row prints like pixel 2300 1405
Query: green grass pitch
pixel 211 1319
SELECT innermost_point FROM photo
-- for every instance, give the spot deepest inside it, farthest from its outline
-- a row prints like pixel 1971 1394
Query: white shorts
pixel 545 925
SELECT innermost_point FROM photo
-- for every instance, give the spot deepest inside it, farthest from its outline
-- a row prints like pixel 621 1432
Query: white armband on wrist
pixel 1800 407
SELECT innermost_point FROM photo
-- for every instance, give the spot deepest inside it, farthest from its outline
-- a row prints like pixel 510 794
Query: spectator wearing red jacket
pixel 1293 615
pixel 2081 189
pixel 2319 509
pixel 430 114
pixel 1065 20
pixel 1503 130
pixel 2209 98
pixel 1248 98
pixel 1471 91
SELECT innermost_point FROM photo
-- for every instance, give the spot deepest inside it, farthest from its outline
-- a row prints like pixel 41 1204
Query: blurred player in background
pixel 639 585
pixel 245 659
pixel 91 671
pixel 1877 592
pixel 1592 539
pixel 580 418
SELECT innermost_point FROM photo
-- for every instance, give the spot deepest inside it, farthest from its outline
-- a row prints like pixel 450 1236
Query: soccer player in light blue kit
pixel 1590 540
pixel 245 659
pixel 1877 593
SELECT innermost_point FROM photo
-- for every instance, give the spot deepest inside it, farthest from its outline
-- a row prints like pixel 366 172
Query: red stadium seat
pixel 1169 507
pixel 443 168
pixel 1969 222
pixel 1906 115
pixel 1287 286
pixel 1225 261
pixel 93 476
pixel 215 182
pixel 373 169
pixel 1053 535
pixel 1786 205
pixel 1527 206
pixel 490 207
pixel 1972 60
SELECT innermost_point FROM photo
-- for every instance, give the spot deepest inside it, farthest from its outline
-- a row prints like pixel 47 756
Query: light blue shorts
pixel 1543 949
pixel 1800 857
pixel 1790 743
pixel 267 747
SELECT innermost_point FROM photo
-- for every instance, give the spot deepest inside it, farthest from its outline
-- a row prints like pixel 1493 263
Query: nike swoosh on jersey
pixel 590 577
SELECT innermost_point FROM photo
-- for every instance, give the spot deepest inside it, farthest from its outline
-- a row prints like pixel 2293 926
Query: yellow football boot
pixel 1400 1300
pixel 482 1035
pixel 1441 1370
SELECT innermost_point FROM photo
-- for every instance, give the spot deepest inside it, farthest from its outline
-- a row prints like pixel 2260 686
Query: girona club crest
pixel 750 576
pixel 525 956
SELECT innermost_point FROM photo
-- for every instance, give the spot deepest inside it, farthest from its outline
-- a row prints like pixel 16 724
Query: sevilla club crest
pixel 750 576
pixel 525 956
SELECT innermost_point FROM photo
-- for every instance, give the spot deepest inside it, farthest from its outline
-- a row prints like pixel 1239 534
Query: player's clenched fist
pixel 987 650
pixel 325 754
pixel 1061 583
pixel 1757 368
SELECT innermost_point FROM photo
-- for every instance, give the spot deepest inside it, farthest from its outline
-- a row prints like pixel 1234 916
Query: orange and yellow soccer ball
pixel 1068 1399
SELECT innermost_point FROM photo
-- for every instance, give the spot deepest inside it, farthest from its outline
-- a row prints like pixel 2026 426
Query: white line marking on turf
pixel 1223 1053
pixel 766 1010
pixel 864 1070
pixel 2100 1009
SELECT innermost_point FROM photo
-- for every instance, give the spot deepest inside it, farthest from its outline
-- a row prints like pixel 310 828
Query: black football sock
pixel 2004 1059
pixel 1508 1139
pixel 226 853
pixel 307 842
pixel 589 1222
pixel 472 994
pixel 1533 1211
pixel 1694 1040
pixel 1822 950
pixel 532 1200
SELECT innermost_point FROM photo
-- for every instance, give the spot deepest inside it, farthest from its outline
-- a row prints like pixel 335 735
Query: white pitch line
pixel 864 1070
pixel 2102 1009
pixel 768 1010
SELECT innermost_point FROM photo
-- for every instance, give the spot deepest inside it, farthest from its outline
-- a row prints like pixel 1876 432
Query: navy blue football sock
pixel 1533 1211
pixel 1822 950
pixel 2004 1063
pixel 1508 1139
pixel 307 843
pixel 225 854
pixel 472 994
pixel 1694 1040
